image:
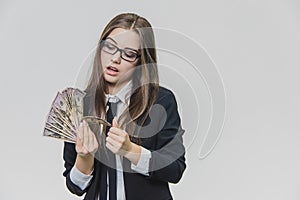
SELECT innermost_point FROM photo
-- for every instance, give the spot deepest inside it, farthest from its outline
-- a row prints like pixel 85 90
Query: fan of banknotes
pixel 65 115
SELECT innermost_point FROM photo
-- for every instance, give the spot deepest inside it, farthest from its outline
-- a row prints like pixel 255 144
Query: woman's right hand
pixel 86 143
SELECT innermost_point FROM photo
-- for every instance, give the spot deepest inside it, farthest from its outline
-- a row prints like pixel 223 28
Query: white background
pixel 254 43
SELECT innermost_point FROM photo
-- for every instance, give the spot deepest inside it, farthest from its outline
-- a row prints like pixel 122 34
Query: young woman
pixel 143 151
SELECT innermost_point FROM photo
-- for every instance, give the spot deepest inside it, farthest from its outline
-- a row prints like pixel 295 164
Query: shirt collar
pixel 123 95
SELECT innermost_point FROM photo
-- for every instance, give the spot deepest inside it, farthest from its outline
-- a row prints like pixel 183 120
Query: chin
pixel 110 79
pixel 111 82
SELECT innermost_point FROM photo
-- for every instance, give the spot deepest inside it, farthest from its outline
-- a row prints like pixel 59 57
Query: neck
pixel 115 88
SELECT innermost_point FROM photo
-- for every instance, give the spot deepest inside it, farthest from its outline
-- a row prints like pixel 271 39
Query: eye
pixel 109 46
pixel 131 54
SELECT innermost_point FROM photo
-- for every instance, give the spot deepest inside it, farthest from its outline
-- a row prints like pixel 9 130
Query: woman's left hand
pixel 118 142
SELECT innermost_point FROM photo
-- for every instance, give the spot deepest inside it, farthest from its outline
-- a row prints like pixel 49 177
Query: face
pixel 117 70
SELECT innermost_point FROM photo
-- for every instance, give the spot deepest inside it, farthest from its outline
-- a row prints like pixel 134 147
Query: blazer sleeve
pixel 167 161
pixel 69 156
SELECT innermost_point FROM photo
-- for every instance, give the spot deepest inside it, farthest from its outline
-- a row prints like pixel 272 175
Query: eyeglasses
pixel 127 54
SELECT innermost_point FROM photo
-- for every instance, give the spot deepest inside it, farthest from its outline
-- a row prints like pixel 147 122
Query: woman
pixel 143 150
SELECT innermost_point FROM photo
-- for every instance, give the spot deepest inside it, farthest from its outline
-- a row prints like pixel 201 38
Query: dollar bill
pixel 65 115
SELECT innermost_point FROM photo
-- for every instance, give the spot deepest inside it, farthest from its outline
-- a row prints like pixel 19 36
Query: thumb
pixel 115 123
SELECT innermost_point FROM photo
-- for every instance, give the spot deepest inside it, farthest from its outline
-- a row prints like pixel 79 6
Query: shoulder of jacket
pixel 164 94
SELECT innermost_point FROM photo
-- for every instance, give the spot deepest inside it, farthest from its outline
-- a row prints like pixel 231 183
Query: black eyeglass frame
pixel 122 51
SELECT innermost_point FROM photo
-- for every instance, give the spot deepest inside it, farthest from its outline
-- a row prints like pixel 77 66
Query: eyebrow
pixel 136 50
pixel 112 40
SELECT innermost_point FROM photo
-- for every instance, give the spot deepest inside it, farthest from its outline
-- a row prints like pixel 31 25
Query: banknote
pixel 66 114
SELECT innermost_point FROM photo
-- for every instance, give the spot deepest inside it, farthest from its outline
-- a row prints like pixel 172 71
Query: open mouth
pixel 112 68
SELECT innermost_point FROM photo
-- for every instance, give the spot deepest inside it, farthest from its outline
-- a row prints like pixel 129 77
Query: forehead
pixel 125 38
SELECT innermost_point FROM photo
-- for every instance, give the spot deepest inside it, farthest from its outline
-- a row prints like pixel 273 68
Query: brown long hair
pixel 145 78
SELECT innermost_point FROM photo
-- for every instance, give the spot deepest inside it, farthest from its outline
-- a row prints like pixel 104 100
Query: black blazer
pixel 167 162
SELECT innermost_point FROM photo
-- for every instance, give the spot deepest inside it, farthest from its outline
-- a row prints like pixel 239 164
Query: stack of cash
pixel 65 115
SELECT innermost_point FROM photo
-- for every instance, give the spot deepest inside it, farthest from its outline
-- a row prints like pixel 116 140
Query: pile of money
pixel 65 115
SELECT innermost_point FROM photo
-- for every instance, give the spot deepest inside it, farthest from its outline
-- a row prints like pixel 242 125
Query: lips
pixel 112 71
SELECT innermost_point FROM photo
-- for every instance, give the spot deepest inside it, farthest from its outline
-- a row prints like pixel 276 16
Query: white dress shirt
pixel 142 167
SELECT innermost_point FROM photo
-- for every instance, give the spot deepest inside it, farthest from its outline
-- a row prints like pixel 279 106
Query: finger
pixel 79 137
pixel 110 147
pixel 80 131
pixel 113 143
pixel 117 131
pixel 78 144
pixel 78 141
pixel 115 123
pixel 85 135
pixel 91 140
pixel 115 137
pixel 110 141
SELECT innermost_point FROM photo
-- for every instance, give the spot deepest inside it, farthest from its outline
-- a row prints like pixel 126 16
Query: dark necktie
pixel 111 161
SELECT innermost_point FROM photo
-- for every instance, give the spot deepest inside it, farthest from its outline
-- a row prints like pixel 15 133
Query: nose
pixel 116 58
